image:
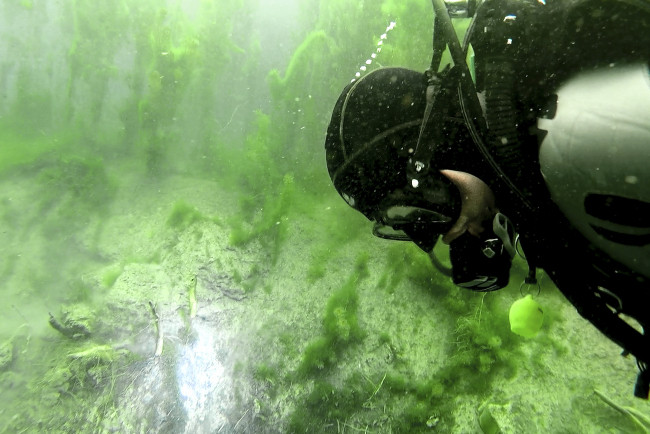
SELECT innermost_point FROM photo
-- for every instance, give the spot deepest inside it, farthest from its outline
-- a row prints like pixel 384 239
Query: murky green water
pixel 163 190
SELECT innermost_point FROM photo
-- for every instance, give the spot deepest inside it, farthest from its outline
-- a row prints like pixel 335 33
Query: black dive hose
pixel 468 97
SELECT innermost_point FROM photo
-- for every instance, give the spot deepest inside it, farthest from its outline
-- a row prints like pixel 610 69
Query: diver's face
pixel 477 205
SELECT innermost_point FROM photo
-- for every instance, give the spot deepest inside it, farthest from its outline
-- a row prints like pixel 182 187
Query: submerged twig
pixel 192 297
pixel 479 310
pixel 381 383
pixel 159 332
pixel 241 418
pixel 230 120
pixel 630 412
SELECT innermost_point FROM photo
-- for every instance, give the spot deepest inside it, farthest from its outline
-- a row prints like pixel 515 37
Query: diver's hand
pixel 478 205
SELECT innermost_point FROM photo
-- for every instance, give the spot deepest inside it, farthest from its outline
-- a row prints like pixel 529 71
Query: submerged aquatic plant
pixel 340 327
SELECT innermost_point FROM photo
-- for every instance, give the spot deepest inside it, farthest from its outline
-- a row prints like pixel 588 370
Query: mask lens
pixel 401 222
pixel 400 214
pixel 389 233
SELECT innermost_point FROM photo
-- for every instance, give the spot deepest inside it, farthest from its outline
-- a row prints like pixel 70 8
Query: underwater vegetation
pixel 157 184
pixel 82 184
pixel 270 228
pixel 184 215
pixel 340 324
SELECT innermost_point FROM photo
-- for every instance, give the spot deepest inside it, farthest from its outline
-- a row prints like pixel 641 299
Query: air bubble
pixel 383 37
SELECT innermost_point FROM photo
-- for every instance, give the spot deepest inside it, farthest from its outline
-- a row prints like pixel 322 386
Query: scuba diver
pixel 535 140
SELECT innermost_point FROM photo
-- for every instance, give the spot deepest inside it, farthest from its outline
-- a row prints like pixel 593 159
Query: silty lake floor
pixel 236 365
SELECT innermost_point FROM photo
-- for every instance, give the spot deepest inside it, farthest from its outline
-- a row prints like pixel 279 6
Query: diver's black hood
pixel 373 120
pixel 372 134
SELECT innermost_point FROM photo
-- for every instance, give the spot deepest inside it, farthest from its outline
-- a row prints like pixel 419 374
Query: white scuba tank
pixel 595 159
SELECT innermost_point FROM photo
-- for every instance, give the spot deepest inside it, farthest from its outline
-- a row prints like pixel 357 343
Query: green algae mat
pixel 174 258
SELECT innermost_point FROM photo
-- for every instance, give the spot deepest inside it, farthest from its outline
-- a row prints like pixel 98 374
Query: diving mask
pixel 420 218
pixel 398 221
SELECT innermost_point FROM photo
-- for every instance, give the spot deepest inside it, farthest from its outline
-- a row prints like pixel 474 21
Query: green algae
pixel 103 152
pixel 340 326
